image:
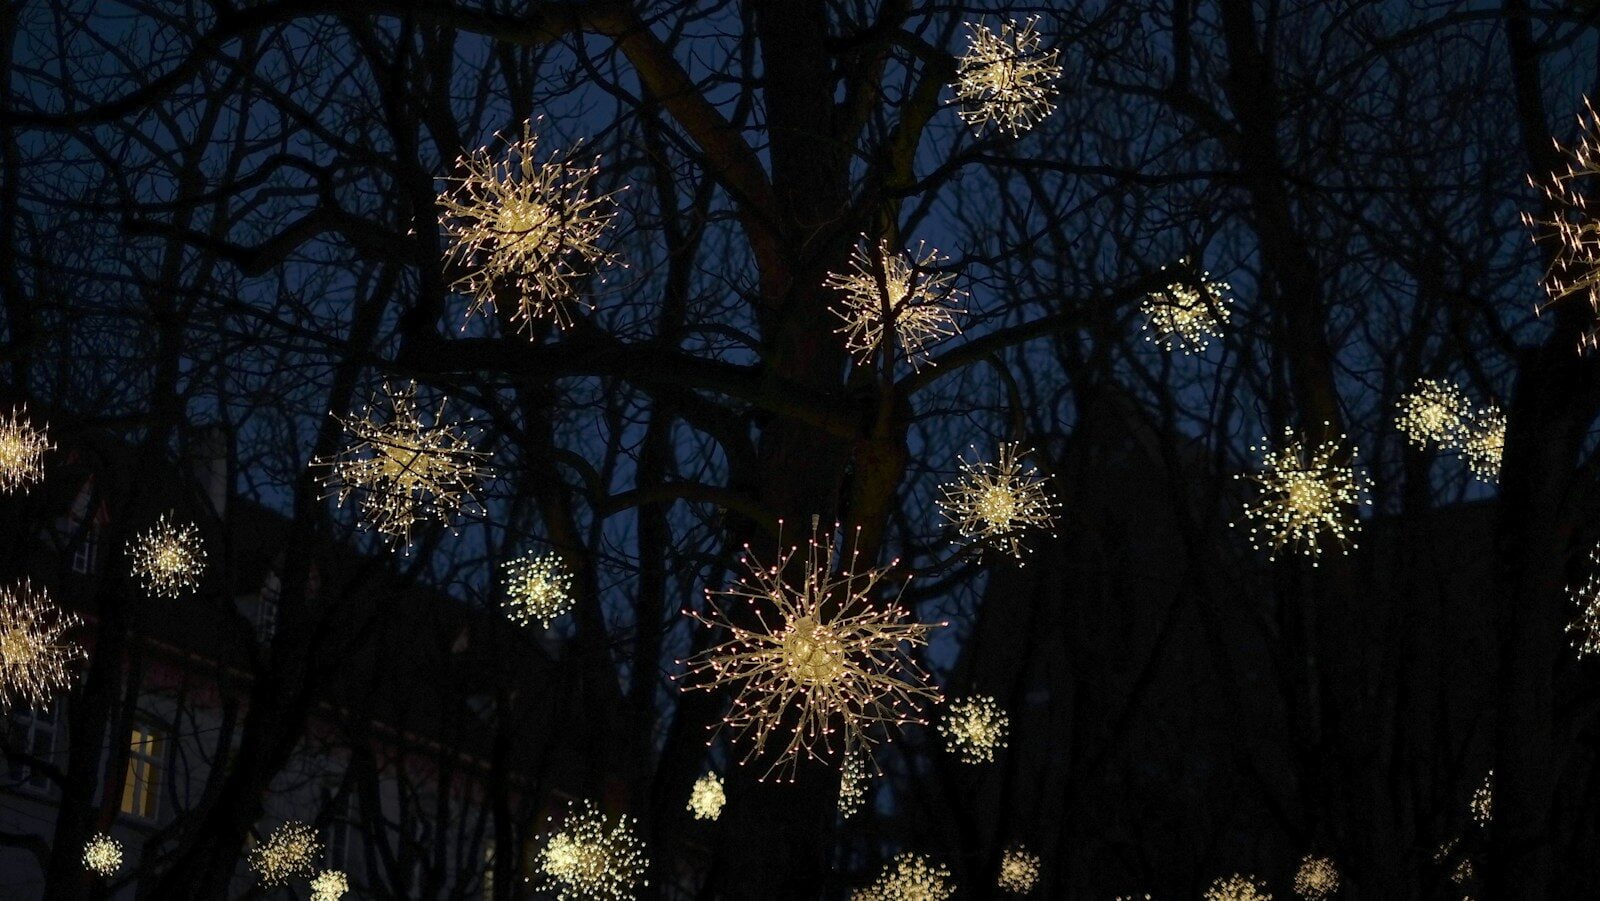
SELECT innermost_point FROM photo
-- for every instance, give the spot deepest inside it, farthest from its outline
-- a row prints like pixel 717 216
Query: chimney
pixel 207 457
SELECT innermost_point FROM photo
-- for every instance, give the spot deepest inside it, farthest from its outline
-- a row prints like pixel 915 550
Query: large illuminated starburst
pixel 168 558
pixel 906 293
pixel 34 652
pixel 1483 801
pixel 1019 870
pixel 538 588
pixel 1484 443
pixel 1187 313
pixel 1575 265
pixel 526 226
pixel 1005 78
pixel 1433 411
pixel 402 469
pixel 102 855
pixel 1308 498
pixel 22 450
pixel 1585 628
pixel 975 728
pixel 854 779
pixel 996 503
pixel 291 850
pixel 909 877
pixel 812 657
pixel 1316 879
pixel 592 859
pixel 329 885
pixel 707 797
pixel 1237 887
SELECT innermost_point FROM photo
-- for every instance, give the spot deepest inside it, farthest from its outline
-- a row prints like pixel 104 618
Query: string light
pixel 1585 629
pixel 1019 870
pixel 707 797
pixel 1004 78
pixel 538 589
pixel 1238 887
pixel 909 877
pixel 1575 264
pixel 1484 443
pixel 1307 498
pixel 102 855
pixel 168 558
pixel 1483 801
pixel 854 780
pixel 996 503
pixel 589 859
pixel 1316 879
pixel 974 728
pixel 1187 314
pixel 329 885
pixel 22 450
pixel 1433 411
pixel 34 652
pixel 292 849
pixel 905 293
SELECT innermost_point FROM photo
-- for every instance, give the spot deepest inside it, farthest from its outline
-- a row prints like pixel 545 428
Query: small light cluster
pixel 1316 879
pixel 1483 801
pixel 591 859
pixel 909 877
pixel 1575 264
pixel 538 588
pixel 34 652
pixel 102 855
pixel 1436 412
pixel 1308 498
pixel 1585 629
pixel 1237 887
pixel 329 885
pixel 1485 443
pixel 168 558
pixel 885 290
pixel 1005 78
pixel 707 797
pixel 1188 313
pixel 854 780
pixel 22 449
pixel 291 850
pixel 975 728
pixel 1019 870
pixel 996 503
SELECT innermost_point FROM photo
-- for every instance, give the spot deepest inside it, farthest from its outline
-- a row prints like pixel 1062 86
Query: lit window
pixel 141 791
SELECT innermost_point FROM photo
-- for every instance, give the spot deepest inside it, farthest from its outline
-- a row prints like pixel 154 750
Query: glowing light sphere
pixel 1019 870
pixel 854 780
pixel 1188 313
pixel 811 658
pixel 22 450
pixel 706 797
pixel 526 226
pixel 1307 498
pixel 1483 801
pixel 997 503
pixel 538 589
pixel 291 850
pixel 1484 443
pixel 329 885
pixel 1433 411
pixel 402 469
pixel 975 728
pixel 1574 272
pixel 1005 78
pixel 592 859
pixel 168 558
pixel 1237 887
pixel 1316 879
pixel 102 855
pixel 34 652
pixel 1585 629
pixel 906 293
pixel 909 877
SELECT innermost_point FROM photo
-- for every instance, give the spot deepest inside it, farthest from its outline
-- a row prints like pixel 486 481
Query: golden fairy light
pixel 538 588
pixel 403 469
pixel 974 728
pixel 1484 442
pixel 1483 801
pixel 854 780
pixel 34 651
pixel 1019 870
pixel 168 557
pixel 1433 411
pixel 909 877
pixel 1308 498
pixel 1585 629
pixel 592 859
pixel 1463 872
pixel 291 850
pixel 329 885
pixel 1187 313
pixel 813 657
pixel 1575 264
pixel 902 292
pixel 102 855
pixel 22 450
pixel 1005 78
pixel 706 797
pixel 1316 879
pixel 995 503
pixel 527 226
pixel 1237 887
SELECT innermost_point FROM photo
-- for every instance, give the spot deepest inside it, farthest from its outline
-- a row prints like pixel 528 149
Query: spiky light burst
pixel 706 797
pixel 975 728
pixel 996 503
pixel 168 558
pixel 521 225
pixel 1575 265
pixel 102 855
pixel 34 651
pixel 1316 879
pixel 1019 870
pixel 1484 443
pixel 1433 411
pixel 812 657
pixel 1308 498
pixel 590 858
pixel 1483 801
pixel 1237 887
pixel 329 885
pixel 22 450
pixel 1187 313
pixel 402 469
pixel 906 293
pixel 854 780
pixel 538 588
pixel 291 850
pixel 1005 78
pixel 909 877
pixel 1585 629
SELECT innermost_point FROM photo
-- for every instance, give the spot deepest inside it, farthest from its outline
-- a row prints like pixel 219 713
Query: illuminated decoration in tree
pixel 22 450
pixel 102 855
pixel 974 728
pixel 1485 443
pixel 1005 79
pixel 402 470
pixel 812 658
pixel 706 798
pixel 1316 879
pixel 908 294
pixel 34 652
pixel 1483 801
pixel 1187 314
pixel 528 226
pixel 291 850
pixel 538 589
pixel 589 859
pixel 1238 887
pixel 995 503
pixel 329 885
pixel 1575 265
pixel 168 557
pixel 1019 870
pixel 854 780
pixel 1586 597
pixel 909 877
pixel 1307 500
pixel 1463 872
pixel 1434 411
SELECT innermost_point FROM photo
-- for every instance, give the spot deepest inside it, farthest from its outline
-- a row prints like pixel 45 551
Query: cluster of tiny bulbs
pixel 975 728
pixel 1585 628
pixel 538 588
pixel 591 858
pixel 22 449
pixel 1307 499
pixel 996 503
pixel 102 855
pixel 706 798
pixel 1436 412
pixel 1019 870
pixel 290 850
pixel 1188 313
pixel 888 292
pixel 35 653
pixel 168 558
pixel 1237 887
pixel 1483 801
pixel 1317 878
pixel 1574 272
pixel 909 877
pixel 329 885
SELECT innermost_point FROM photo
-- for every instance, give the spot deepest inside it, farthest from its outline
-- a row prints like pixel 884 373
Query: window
pixel 84 553
pixel 34 734
pixel 141 791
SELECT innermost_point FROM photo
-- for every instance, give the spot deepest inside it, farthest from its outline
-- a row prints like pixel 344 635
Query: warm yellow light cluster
pixel 591 859
pixel 538 589
pixel 975 728
pixel 102 855
pixel 811 655
pixel 1188 313
pixel 885 290
pixel 291 850
pixel 403 469
pixel 707 797
pixel 1575 265
pixel 1437 412
pixel 1485 443
pixel 168 558
pixel 1585 629
pixel 996 503
pixel 909 877
pixel 34 651
pixel 329 885
pixel 1307 500
pixel 22 450
pixel 1005 79
pixel 1237 887
pixel 1019 870
pixel 1316 879
pixel 854 779
pixel 530 227
pixel 1483 801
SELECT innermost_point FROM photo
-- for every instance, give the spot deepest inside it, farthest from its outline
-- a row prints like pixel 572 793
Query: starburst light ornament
pixel 1307 500
pixel 1237 887
pixel 291 850
pixel 1484 443
pixel 22 450
pixel 706 797
pixel 34 651
pixel 813 656
pixel 909 877
pixel 1187 313
pixel 1574 272
pixel 1433 411
pixel 997 503
pixel 329 885
pixel 975 728
pixel 1483 801
pixel 895 292
pixel 854 780
pixel 1585 629
pixel 525 226
pixel 1316 879
pixel 1019 870
pixel 538 589
pixel 102 855
pixel 402 469
pixel 592 859
pixel 1005 79
pixel 168 558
